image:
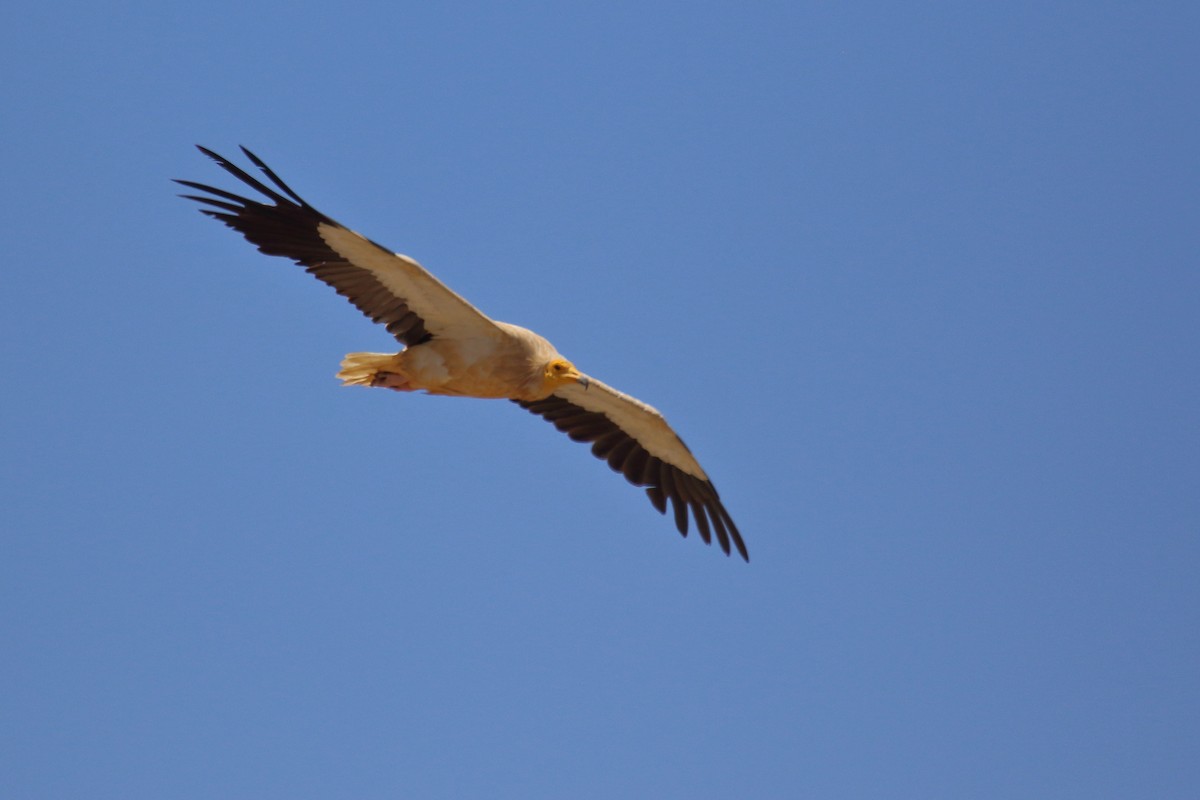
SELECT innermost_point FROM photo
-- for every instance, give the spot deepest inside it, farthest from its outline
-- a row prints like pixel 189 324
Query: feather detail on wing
pixel 637 442
pixel 390 288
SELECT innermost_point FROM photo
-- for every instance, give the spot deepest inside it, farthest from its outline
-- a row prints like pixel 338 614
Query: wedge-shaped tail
pixel 362 369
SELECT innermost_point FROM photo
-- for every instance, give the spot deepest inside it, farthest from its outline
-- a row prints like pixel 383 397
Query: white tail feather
pixel 360 369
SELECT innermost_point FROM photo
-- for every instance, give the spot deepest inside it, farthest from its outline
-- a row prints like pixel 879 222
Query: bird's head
pixel 560 372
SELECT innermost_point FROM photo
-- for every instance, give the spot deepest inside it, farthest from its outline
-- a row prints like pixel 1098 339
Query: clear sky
pixel 918 283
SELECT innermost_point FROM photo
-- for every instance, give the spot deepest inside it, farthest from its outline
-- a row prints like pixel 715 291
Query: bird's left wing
pixel 637 442
pixel 391 289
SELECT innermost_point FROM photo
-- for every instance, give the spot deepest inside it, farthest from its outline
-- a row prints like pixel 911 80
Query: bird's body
pixel 451 348
pixel 507 365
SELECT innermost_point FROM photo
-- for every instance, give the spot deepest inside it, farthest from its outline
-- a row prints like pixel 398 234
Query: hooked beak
pixel 578 377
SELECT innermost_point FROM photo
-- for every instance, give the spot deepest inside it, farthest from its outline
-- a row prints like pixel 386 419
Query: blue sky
pixel 918 285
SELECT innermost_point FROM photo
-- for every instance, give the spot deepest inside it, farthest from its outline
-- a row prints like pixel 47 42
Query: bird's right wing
pixel 391 289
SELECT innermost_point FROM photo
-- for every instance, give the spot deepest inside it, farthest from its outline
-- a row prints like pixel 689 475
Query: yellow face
pixel 560 372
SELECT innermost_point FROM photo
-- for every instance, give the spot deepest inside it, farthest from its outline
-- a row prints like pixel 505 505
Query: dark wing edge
pixel 663 482
pixel 288 228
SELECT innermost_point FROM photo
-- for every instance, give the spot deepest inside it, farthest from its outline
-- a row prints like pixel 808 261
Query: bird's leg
pixel 392 380
pixel 375 369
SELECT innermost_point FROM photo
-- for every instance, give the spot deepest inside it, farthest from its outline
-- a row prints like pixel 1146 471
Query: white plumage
pixel 452 348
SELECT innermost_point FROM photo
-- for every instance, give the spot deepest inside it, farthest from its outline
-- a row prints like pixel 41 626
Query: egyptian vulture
pixel 452 348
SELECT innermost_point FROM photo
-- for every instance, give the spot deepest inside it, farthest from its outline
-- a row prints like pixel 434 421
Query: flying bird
pixel 452 348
